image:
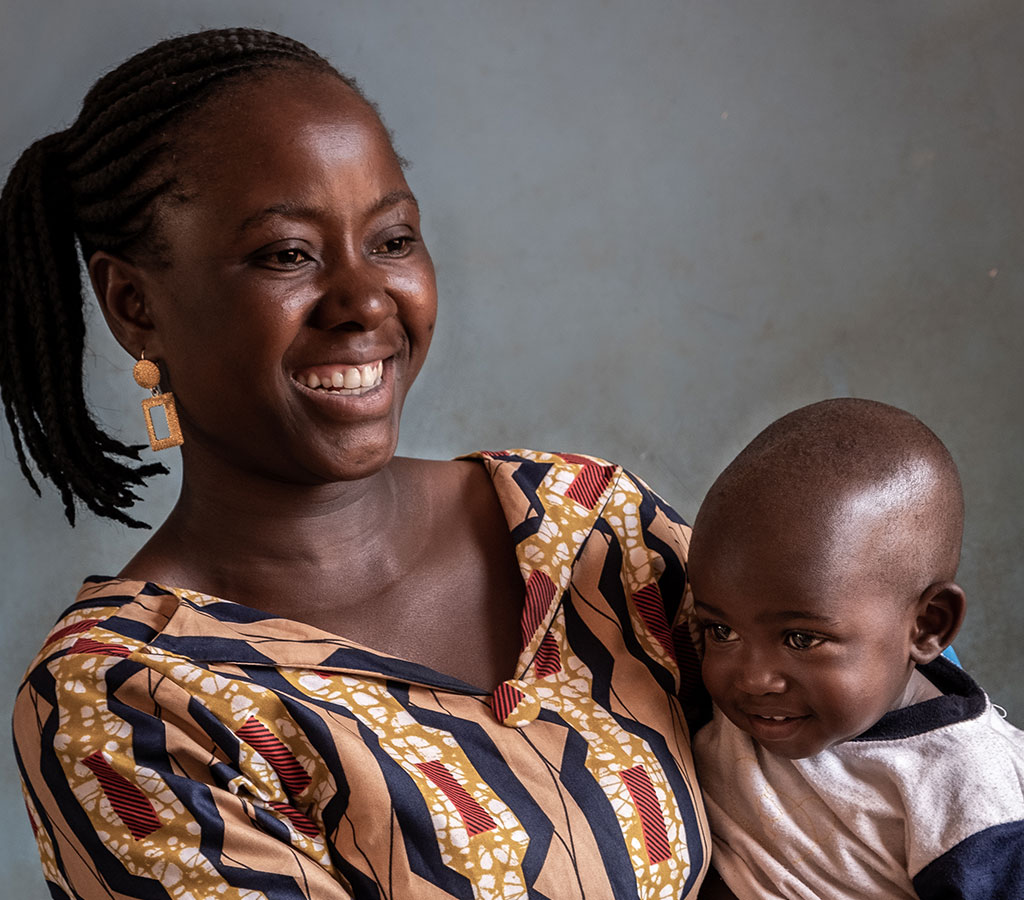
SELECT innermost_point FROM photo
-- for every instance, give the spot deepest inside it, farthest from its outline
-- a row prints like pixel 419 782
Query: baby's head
pixel 822 567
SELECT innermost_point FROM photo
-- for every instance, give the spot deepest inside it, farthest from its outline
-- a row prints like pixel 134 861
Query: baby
pixel 846 758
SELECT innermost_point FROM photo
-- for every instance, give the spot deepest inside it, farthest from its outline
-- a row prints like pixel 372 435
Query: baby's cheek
pixel 715 677
pixel 849 705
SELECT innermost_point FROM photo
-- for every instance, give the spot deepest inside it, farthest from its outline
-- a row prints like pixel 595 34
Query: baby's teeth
pixel 314 382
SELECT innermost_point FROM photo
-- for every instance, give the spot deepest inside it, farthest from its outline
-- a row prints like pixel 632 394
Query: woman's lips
pixel 342 378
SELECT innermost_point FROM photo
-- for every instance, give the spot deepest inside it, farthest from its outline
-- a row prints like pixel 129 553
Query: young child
pixel 846 758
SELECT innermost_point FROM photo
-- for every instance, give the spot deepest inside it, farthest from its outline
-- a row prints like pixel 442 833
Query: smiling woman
pixel 331 672
pixel 316 267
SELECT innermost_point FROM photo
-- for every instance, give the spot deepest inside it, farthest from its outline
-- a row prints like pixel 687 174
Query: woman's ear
pixel 940 612
pixel 120 289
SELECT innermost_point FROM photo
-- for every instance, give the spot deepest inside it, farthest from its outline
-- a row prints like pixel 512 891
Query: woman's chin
pixel 335 456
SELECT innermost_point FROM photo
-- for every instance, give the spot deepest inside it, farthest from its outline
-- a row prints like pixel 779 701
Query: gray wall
pixel 657 226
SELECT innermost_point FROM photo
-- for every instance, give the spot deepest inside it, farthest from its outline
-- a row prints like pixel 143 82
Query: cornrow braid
pixel 95 182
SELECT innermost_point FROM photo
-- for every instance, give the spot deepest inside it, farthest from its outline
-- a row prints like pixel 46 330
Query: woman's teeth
pixel 344 379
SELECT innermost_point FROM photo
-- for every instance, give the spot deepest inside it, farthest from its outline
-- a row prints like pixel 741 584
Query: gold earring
pixel 147 375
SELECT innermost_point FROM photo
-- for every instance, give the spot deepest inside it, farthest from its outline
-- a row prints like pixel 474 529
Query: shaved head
pixel 839 482
pixel 822 565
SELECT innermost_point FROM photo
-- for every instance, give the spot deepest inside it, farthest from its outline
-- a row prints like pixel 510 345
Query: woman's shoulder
pixel 540 457
pixel 86 625
pixel 584 478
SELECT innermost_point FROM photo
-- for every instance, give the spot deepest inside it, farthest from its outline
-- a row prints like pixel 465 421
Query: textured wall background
pixel 657 226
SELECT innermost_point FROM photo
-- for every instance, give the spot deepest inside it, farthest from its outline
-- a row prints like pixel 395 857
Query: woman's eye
pixel 396 246
pixel 720 634
pixel 800 640
pixel 287 258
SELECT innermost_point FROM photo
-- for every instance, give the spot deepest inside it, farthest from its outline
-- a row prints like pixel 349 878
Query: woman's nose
pixel 354 298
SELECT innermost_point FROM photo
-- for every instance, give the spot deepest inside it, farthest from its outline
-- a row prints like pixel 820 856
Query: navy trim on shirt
pixel 985 865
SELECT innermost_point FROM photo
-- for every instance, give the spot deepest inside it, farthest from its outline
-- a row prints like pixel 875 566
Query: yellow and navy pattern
pixel 177 745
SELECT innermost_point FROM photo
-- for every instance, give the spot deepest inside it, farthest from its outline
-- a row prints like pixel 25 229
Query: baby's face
pixel 802 651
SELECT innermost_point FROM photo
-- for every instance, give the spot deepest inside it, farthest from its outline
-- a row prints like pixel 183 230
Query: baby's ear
pixel 940 612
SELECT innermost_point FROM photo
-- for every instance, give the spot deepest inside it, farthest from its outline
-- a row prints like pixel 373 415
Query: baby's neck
pixel 918 690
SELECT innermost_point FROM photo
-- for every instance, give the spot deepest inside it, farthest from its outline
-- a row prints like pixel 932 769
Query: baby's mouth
pixel 773 723
pixel 342 379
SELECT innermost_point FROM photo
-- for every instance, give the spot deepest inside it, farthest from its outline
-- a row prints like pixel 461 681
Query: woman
pixel 331 672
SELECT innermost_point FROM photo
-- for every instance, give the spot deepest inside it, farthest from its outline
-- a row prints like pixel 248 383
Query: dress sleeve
pixel 655 574
pixel 134 791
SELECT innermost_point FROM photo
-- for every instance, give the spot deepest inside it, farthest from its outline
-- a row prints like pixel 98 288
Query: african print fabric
pixel 177 745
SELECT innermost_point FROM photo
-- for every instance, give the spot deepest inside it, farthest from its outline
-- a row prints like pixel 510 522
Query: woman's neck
pixel 389 562
pixel 237 535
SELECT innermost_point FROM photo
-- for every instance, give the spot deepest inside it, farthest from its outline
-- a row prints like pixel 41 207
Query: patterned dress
pixel 177 745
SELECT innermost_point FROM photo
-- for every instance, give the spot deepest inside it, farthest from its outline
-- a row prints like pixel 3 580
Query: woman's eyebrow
pixel 393 199
pixel 304 211
pixel 284 210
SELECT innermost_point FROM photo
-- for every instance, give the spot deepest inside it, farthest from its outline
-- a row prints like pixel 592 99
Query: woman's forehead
pixel 278 110
pixel 280 145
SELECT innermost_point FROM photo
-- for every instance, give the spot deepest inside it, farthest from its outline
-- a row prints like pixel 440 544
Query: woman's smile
pixel 343 378
pixel 311 277
pixel 349 391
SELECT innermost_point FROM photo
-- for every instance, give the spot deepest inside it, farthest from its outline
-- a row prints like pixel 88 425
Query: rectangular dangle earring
pixel 147 375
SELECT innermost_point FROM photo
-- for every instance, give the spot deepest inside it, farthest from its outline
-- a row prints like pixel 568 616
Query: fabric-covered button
pixel 515 703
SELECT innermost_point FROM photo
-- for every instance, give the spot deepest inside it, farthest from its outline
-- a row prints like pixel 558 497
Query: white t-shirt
pixel 929 802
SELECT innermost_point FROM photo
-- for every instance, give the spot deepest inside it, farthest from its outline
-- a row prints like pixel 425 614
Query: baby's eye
pixel 720 634
pixel 396 246
pixel 801 640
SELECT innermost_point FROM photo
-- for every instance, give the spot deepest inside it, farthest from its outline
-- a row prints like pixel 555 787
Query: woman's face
pixel 299 299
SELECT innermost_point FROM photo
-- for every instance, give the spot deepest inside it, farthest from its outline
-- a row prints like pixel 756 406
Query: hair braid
pixel 42 376
pixel 98 182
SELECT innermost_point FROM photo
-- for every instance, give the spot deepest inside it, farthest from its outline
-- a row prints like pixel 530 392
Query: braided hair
pixel 97 182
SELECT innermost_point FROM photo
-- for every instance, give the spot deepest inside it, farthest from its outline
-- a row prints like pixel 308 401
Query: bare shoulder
pixel 458 481
pixel 429 468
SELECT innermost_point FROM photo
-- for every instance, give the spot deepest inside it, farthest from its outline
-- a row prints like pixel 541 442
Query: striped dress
pixel 178 745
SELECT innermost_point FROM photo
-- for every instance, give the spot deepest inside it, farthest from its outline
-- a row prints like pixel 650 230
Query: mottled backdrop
pixel 657 226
